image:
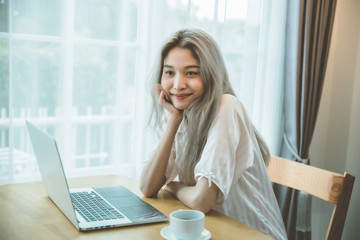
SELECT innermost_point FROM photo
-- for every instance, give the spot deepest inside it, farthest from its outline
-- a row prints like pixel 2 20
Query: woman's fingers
pixel 161 97
pixel 165 101
pixel 158 88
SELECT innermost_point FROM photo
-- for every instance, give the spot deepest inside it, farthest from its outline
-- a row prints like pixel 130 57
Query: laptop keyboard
pixel 93 208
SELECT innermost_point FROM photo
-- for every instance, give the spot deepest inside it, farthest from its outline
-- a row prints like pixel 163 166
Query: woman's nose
pixel 179 82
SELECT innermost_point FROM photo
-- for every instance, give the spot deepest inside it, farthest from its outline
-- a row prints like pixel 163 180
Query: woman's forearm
pixel 153 175
pixel 201 197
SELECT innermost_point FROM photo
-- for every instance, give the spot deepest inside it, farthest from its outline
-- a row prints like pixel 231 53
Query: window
pixel 78 69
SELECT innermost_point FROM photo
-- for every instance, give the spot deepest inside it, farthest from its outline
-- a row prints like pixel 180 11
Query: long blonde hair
pixel 203 111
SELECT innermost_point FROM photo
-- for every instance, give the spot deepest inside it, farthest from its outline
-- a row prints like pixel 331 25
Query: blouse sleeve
pixel 228 150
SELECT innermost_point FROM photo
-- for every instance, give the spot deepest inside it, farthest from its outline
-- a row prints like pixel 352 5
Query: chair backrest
pixel 329 186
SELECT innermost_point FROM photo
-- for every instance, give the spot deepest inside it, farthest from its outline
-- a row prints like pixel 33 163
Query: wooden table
pixel 27 213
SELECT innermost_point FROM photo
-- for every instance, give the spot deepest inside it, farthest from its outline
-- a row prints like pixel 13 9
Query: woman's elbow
pixel 147 190
pixel 205 196
pixel 149 186
pixel 202 204
pixel 203 209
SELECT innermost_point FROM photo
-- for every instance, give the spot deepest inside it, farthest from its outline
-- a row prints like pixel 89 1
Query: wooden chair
pixel 329 186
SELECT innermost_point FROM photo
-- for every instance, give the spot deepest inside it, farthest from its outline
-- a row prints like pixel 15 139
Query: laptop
pixel 87 208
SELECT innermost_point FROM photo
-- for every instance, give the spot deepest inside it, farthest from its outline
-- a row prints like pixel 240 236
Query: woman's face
pixel 181 78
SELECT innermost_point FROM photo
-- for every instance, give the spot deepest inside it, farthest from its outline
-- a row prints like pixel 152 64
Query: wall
pixel 336 141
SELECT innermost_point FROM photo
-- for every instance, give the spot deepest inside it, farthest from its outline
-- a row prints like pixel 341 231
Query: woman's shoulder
pixel 231 102
pixel 231 107
pixel 228 98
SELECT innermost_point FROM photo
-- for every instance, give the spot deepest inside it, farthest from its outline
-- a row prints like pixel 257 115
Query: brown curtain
pixel 308 35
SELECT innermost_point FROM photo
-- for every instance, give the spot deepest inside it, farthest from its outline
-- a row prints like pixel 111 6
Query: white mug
pixel 187 224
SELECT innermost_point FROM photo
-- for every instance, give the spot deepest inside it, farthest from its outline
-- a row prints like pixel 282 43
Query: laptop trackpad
pixel 128 203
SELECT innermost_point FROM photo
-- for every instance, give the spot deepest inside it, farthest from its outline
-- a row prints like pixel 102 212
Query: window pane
pixel 36 79
pixel 126 142
pixel 4 161
pixel 238 9
pixel 37 72
pixel 202 14
pixel 37 17
pixel 234 65
pixel 4 16
pixel 4 109
pixel 98 19
pixel 4 75
pixel 128 83
pixel 93 145
pixel 132 20
pixel 95 76
pixel 233 47
pixel 175 14
pixel 24 161
pixel 238 44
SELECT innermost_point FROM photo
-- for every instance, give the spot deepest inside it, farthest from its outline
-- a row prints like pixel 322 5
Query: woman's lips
pixel 181 96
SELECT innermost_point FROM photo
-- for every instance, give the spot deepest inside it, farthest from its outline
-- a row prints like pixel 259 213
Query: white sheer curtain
pixel 78 69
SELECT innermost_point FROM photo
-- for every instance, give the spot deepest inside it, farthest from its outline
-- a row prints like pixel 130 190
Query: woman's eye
pixel 191 73
pixel 169 73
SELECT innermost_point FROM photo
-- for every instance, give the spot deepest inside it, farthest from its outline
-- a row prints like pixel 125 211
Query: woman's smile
pixel 180 96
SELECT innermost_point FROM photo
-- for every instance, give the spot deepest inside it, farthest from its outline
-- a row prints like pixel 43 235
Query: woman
pixel 209 154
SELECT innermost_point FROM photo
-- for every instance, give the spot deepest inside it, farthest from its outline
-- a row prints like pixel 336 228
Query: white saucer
pixel 168 234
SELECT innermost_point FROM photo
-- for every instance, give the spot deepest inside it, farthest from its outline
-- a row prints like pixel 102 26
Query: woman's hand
pixel 164 101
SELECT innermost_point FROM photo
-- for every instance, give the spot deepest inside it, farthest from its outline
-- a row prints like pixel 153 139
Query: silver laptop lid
pixel 51 170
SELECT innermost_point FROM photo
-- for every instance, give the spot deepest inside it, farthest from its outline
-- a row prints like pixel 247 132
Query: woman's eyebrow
pixel 186 67
pixel 193 66
pixel 167 66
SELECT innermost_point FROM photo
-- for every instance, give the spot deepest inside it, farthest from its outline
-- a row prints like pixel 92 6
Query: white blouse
pixel 232 160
